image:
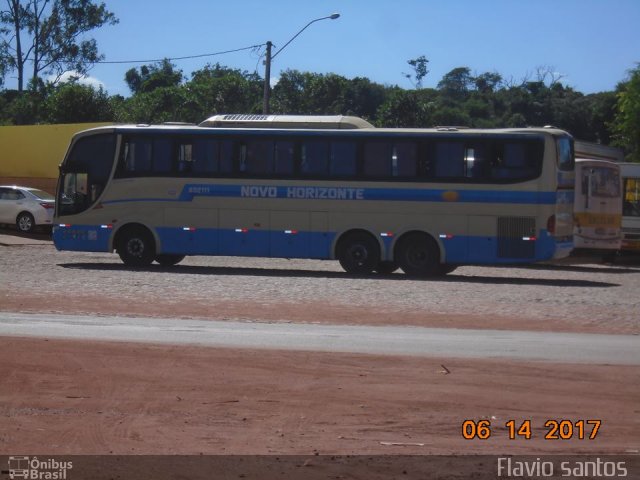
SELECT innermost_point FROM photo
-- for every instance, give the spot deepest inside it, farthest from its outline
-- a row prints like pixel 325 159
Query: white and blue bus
pixel 423 200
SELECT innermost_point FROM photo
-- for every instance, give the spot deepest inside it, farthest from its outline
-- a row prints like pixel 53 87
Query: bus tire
pixel 418 255
pixel 386 267
pixel 358 253
pixel 167 260
pixel 446 268
pixel 136 246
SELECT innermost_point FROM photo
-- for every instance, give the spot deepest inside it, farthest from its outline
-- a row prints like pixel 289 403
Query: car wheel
pixel 136 247
pixel 25 222
pixel 169 260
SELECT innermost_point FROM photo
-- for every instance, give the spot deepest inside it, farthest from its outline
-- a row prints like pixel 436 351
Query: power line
pixel 182 58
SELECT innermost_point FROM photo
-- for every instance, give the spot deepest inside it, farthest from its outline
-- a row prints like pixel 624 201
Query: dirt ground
pixel 63 397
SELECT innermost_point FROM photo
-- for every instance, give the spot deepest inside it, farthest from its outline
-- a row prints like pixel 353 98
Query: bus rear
pixel 597 209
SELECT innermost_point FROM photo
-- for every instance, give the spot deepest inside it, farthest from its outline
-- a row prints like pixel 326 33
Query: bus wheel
pixel 358 253
pixel 169 260
pixel 418 255
pixel 136 247
pixel 445 268
pixel 386 267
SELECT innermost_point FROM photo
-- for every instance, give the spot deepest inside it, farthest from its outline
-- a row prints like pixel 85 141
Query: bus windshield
pixel 85 173
pixel 601 182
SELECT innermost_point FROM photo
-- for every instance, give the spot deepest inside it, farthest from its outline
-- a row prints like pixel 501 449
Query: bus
pixel 423 200
pixel 630 173
pixel 597 207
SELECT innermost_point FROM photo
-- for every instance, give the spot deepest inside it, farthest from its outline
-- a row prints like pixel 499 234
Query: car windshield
pixel 42 195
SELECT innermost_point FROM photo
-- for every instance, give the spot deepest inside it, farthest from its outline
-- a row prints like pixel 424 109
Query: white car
pixel 26 207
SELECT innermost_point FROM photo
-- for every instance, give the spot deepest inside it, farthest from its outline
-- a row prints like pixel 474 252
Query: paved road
pixel 436 342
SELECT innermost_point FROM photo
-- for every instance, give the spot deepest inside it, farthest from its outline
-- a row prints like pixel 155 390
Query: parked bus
pixel 630 173
pixel 597 207
pixel 424 200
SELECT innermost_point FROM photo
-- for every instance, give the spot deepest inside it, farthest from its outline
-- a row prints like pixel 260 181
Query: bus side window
pixel 314 158
pixel 377 159
pixel 449 160
pixel 283 161
pixel 226 156
pixel 404 161
pixel 137 156
pixel 343 159
pixel 256 157
pixel 201 158
pixel 162 156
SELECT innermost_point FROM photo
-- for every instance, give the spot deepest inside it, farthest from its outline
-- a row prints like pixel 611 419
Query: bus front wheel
pixel 136 247
pixel 418 255
pixel 359 253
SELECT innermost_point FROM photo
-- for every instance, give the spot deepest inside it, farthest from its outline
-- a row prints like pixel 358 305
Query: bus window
pixel 566 159
pixel 343 159
pixel 137 156
pixel 162 158
pixel 605 182
pixel 631 197
pixel 283 161
pixel 314 158
pixel 449 160
pixel 377 159
pixel 85 173
pixel 198 157
pixel 226 156
pixel 404 160
pixel 517 161
pixel 256 157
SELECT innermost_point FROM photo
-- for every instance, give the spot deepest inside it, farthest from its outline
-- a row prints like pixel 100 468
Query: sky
pixel 592 44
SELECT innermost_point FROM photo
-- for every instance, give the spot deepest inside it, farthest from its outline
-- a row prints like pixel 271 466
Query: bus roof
pixel 337 122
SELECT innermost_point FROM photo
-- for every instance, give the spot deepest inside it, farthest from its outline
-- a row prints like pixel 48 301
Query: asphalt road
pixel 414 341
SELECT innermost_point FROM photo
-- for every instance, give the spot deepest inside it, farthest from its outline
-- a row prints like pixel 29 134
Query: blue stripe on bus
pixel 190 191
pixel 461 249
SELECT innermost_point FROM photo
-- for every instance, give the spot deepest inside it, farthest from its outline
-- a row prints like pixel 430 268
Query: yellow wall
pixel 36 150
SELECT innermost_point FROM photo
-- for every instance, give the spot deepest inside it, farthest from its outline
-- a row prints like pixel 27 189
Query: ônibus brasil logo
pixel 37 469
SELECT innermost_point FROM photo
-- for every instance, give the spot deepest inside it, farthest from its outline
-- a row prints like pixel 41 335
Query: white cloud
pixel 82 79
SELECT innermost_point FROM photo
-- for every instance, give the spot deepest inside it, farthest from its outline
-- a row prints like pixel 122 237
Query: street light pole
pixel 269 57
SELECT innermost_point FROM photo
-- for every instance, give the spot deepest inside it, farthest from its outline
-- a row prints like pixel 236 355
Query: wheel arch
pixel 117 233
pixel 345 233
pixel 418 231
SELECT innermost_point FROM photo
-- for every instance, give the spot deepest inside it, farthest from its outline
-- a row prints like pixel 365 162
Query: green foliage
pixel 47 36
pixel 626 124
pixel 75 103
pixel 150 77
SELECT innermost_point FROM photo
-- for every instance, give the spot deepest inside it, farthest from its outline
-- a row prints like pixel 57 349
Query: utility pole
pixel 269 57
pixel 267 79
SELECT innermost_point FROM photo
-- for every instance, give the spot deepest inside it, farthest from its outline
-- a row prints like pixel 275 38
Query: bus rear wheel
pixel 136 247
pixel 418 255
pixel 359 253
pixel 167 260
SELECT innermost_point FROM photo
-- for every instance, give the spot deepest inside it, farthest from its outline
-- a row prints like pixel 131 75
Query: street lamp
pixel 269 57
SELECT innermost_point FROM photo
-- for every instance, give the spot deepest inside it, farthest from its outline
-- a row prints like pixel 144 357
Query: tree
pixel 47 35
pixel 150 77
pixel 76 103
pixel 420 71
pixel 626 124
pixel 456 83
